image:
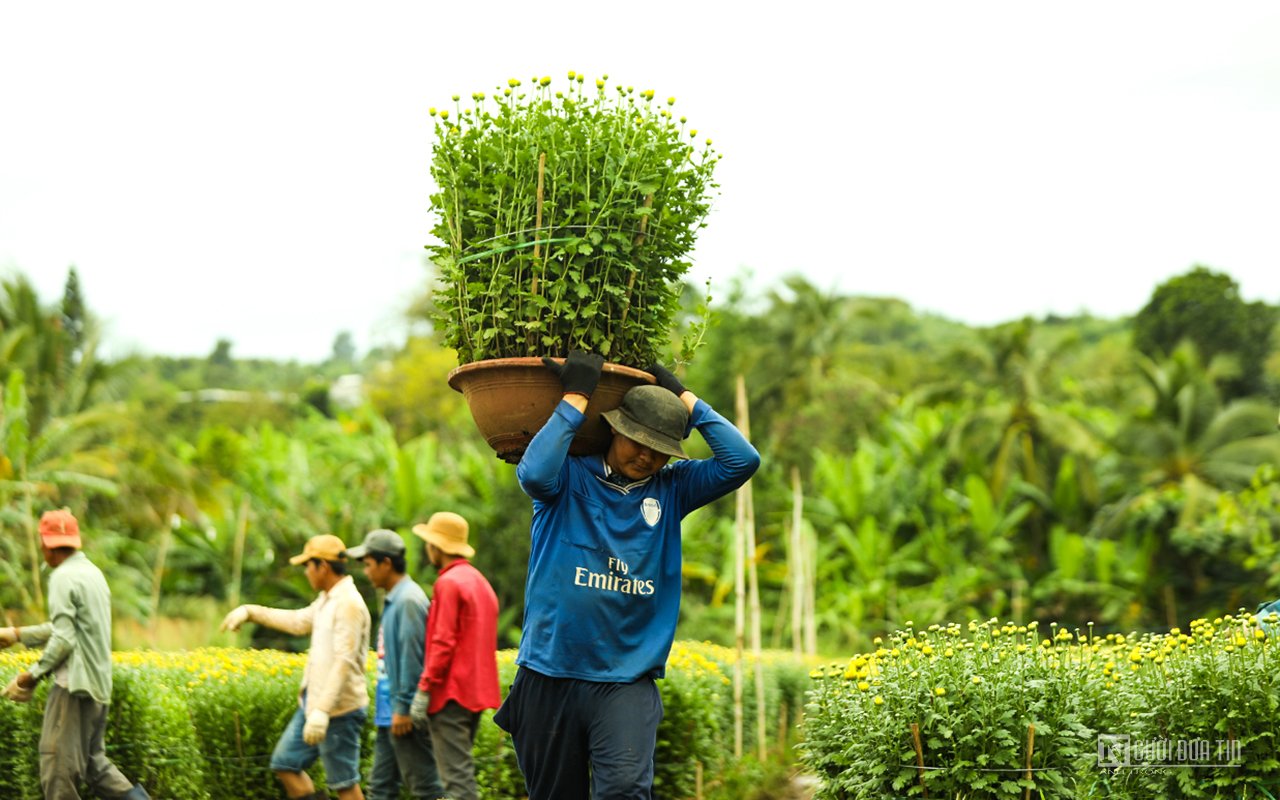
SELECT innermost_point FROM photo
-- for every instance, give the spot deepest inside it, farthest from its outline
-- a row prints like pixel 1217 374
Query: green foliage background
pixel 1041 468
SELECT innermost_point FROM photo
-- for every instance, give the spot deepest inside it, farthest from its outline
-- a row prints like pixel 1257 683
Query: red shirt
pixel 461 659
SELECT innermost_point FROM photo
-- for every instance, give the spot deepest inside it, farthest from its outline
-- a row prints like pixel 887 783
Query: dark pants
pixel 408 758
pixel 453 732
pixel 576 739
pixel 72 749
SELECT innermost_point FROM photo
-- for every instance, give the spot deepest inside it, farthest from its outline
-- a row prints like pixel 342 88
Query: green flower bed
pixel 202 725
pixel 1004 711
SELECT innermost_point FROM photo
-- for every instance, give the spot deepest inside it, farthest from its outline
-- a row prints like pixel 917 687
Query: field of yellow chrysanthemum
pixel 1000 709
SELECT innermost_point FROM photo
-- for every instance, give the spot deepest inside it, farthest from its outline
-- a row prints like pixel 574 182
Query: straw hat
pixel 448 532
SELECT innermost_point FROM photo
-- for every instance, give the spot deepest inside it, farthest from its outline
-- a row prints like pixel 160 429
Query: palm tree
pixel 1179 452
pixel 41 469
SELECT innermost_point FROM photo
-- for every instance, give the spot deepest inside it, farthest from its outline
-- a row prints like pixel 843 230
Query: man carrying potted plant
pixel 602 595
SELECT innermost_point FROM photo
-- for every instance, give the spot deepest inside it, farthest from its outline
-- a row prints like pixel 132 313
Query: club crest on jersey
pixel 651 510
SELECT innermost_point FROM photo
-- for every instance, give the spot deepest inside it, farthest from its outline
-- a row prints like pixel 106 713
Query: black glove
pixel 666 379
pixel 579 373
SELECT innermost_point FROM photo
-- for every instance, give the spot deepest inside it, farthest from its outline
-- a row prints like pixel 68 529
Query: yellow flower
pixel 863 686
pixel 940 691
pixel 878 700
pixel 432 111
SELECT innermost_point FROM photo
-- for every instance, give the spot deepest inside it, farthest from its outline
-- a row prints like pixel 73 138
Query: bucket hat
pixel 448 532
pixel 652 416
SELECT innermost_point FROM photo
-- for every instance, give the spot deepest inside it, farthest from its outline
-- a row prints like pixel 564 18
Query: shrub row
pixel 1011 711
pixel 201 725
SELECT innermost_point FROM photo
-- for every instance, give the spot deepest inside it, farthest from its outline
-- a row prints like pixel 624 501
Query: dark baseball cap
pixel 380 541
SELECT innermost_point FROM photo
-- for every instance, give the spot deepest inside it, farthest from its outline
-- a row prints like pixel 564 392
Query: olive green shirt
pixel 77 637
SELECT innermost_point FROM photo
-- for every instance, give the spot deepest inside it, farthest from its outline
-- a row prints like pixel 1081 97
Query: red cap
pixel 59 529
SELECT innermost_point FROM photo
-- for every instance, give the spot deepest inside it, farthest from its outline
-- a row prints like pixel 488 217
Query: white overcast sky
pixel 258 170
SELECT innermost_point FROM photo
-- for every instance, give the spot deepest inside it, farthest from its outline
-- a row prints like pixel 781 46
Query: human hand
pixel 418 710
pixel 401 724
pixel 8 637
pixel 17 692
pixel 233 621
pixel 315 729
pixel 666 379
pixel 579 373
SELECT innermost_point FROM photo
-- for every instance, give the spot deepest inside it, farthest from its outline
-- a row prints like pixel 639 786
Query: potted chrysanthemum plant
pixel 564 220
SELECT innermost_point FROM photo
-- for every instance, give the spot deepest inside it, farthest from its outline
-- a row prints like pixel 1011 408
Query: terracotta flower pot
pixel 512 398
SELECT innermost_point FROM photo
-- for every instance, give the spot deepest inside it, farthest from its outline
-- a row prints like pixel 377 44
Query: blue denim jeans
pixel 339 750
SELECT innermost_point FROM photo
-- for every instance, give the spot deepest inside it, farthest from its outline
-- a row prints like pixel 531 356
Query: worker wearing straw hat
pixel 77 653
pixel 460 668
pixel 602 594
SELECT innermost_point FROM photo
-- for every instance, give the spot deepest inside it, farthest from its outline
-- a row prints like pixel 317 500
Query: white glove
pixel 315 729
pixel 418 709
pixel 16 693
pixel 233 620
pixel 8 637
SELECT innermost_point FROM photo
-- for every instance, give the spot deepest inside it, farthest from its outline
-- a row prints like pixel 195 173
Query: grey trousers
pixel 408 758
pixel 453 732
pixel 72 749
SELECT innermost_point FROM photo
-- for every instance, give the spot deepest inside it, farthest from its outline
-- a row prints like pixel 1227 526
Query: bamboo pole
pixel 537 223
pixel 795 555
pixel 33 544
pixel 237 550
pixel 753 579
pixel 157 577
pixel 915 738
pixel 639 240
pixel 1031 746
pixel 810 541
pixel 739 616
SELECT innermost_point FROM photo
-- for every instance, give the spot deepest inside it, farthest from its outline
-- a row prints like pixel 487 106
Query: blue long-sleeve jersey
pixel 602 596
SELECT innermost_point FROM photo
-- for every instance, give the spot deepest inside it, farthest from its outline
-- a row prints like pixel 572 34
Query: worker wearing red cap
pixel 77 653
